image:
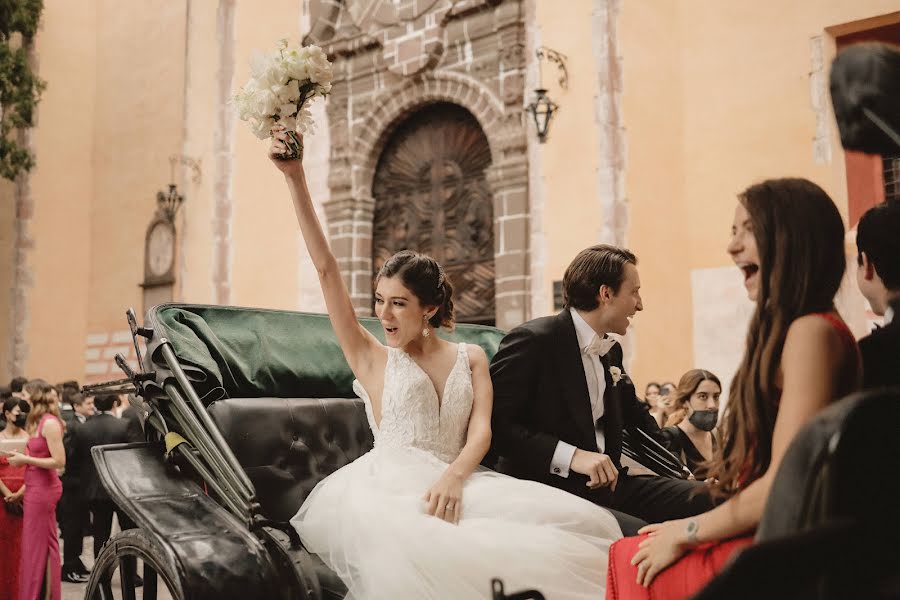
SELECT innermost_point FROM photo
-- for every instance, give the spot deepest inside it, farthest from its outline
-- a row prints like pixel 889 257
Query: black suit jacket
pixel 541 397
pixel 97 431
pixel 881 354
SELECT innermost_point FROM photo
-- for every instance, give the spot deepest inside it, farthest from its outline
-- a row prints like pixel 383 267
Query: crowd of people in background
pixel 50 485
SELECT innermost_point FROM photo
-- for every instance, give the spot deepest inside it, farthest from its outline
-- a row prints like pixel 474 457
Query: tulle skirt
pixel 368 523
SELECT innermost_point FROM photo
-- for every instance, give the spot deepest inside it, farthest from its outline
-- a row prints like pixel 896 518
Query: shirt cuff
pixel 562 459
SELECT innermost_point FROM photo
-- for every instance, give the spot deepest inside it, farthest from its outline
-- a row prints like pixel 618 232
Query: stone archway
pixel 431 196
pixel 390 63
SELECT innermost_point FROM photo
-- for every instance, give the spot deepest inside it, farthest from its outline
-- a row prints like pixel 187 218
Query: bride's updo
pixel 425 278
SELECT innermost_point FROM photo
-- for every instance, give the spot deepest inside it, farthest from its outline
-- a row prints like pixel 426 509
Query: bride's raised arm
pixel 359 346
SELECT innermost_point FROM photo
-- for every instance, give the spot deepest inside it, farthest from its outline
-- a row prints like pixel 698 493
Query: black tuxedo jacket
pixel 541 397
pixel 97 431
pixel 881 354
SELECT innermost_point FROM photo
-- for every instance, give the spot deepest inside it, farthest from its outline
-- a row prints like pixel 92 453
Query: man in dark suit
pixel 878 275
pixel 72 511
pixel 562 398
pixel 104 428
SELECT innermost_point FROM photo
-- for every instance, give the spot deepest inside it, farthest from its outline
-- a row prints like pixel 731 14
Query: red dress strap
pixel 841 327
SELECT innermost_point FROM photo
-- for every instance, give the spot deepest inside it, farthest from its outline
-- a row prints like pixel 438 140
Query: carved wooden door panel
pixel 431 196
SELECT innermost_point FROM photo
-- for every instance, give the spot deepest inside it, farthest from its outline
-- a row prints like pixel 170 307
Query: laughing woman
pixel 788 240
pixel 416 517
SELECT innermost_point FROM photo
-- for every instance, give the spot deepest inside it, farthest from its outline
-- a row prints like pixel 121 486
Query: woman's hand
pixel 16 497
pixel 444 498
pixel 290 167
pixel 17 459
pixel 667 542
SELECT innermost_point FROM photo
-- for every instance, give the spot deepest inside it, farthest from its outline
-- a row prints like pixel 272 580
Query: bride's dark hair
pixel 425 278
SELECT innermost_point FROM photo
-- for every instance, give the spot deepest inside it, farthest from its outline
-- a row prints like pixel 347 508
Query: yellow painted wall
pixel 62 188
pixel 138 125
pixel 7 238
pixel 266 243
pixel 568 160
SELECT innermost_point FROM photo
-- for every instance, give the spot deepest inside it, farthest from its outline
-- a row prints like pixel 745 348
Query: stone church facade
pixel 391 61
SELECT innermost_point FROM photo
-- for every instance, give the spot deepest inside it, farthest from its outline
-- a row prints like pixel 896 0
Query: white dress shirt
pixel 888 317
pixel 596 384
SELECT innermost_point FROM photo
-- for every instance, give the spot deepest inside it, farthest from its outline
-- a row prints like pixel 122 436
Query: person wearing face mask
pixel 12 486
pixel 689 430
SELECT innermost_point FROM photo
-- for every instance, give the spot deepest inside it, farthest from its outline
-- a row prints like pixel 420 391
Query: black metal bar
pixel 242 513
pixel 244 484
pixel 655 465
pixel 211 452
pixel 126 576
pixel 213 473
pixel 150 579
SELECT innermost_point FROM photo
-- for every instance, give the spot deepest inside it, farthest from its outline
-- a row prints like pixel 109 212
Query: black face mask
pixel 20 420
pixel 705 420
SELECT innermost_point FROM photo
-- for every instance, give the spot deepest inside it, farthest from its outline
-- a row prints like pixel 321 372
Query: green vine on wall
pixel 20 88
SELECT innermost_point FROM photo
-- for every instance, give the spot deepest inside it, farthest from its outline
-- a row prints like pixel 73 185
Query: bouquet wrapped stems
pixel 294 146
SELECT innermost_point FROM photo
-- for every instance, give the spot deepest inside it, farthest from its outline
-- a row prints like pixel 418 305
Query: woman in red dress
pixel 788 240
pixel 45 454
pixel 12 487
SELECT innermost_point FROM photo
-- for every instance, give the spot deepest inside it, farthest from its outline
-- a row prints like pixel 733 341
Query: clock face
pixel 160 249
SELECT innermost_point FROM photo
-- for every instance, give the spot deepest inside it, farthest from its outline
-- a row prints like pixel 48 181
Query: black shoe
pixel 73 577
pixel 82 570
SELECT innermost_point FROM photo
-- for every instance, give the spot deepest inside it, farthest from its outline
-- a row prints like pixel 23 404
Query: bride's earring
pixel 425 331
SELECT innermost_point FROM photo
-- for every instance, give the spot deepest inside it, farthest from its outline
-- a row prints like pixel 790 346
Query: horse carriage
pixel 245 411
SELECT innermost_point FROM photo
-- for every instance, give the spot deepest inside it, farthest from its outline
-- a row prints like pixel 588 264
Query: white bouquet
pixel 280 85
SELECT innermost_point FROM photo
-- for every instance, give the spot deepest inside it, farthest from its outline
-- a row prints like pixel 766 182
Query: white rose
pixel 287 110
pixel 289 93
pixel 264 103
pixel 262 128
pixel 319 68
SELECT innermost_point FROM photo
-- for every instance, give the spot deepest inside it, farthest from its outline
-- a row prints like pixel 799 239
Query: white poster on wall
pixel 722 313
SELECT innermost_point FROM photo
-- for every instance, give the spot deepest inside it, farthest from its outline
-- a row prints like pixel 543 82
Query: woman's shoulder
pixel 476 354
pixel 817 328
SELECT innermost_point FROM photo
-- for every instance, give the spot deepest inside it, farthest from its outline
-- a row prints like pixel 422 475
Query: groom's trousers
pixel 644 499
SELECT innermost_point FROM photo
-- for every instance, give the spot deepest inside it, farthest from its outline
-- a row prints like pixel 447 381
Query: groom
pixel 562 399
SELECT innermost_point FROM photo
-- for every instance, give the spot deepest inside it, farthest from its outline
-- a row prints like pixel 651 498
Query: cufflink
pixel 556 470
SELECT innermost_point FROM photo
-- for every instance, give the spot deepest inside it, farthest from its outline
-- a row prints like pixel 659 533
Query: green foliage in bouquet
pixel 20 88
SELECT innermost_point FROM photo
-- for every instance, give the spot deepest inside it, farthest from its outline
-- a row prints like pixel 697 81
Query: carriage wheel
pixel 117 562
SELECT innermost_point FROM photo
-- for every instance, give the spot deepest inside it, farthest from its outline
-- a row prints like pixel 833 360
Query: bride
pixel 417 517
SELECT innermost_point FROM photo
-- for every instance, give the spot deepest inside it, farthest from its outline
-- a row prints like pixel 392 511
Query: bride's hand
pixel 444 498
pixel 279 147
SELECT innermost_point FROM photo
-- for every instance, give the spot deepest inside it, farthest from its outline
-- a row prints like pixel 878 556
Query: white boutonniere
pixel 616 374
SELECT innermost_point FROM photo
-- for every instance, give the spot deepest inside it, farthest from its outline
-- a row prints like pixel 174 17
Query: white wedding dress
pixel 368 520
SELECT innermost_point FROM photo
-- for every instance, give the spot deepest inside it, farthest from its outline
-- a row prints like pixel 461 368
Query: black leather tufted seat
pixel 288 445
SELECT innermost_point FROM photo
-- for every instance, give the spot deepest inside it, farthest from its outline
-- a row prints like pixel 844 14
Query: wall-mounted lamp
pixel 543 108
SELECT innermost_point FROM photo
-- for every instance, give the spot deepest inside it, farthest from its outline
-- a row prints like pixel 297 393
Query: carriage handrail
pixel 234 472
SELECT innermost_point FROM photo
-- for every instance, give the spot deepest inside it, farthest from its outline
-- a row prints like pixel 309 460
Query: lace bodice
pixel 411 415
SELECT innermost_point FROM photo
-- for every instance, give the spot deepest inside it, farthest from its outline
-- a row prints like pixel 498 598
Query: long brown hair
pixel 42 403
pixel 800 239
pixel 687 385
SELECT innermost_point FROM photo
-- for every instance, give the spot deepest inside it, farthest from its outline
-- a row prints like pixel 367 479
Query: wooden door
pixel 431 196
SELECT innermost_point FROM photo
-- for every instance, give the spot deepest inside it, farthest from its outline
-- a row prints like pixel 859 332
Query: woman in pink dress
pixel 12 487
pixel 788 241
pixel 44 455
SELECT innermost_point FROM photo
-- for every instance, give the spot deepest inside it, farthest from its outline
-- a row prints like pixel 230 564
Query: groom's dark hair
pixel 595 266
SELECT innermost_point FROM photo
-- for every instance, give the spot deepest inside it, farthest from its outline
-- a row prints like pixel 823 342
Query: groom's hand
pixel 598 467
